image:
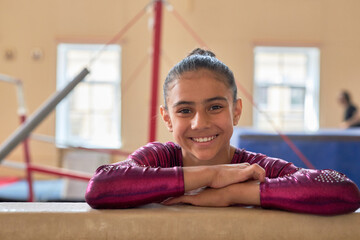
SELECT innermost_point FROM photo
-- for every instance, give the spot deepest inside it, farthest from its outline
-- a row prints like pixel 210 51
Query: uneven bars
pixel 7 78
pixel 24 130
pixel 19 89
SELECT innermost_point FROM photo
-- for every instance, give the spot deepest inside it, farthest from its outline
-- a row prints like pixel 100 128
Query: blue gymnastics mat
pixel 43 190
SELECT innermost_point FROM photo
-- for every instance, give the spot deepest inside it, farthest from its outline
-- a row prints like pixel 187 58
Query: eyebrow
pixel 216 99
pixel 205 101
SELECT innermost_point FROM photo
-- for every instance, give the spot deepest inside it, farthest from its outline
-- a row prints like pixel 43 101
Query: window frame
pixel 63 136
pixel 312 88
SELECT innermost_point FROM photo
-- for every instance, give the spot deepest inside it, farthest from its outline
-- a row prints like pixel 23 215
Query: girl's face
pixel 201 114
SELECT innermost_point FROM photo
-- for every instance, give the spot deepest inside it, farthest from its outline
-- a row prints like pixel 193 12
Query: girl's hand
pixel 247 193
pixel 219 176
pixel 209 197
pixel 236 173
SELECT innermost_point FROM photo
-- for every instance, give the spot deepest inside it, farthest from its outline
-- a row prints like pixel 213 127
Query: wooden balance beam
pixel 79 221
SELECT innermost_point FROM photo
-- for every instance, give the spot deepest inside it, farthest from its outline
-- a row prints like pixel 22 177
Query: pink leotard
pixel 153 173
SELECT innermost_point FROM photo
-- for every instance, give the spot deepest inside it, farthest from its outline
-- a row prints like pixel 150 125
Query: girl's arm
pixel 126 184
pixel 311 191
pixel 286 187
pixel 294 189
pixel 245 193
pixel 153 174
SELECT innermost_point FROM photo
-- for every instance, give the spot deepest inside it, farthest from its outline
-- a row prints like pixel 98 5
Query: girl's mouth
pixel 204 139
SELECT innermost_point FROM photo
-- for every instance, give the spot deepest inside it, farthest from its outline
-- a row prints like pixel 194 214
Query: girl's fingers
pixel 207 198
pixel 237 173
pixel 252 172
pixel 239 165
pixel 175 200
pixel 258 172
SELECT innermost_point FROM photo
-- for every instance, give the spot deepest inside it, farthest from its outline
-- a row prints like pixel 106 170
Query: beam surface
pixel 154 221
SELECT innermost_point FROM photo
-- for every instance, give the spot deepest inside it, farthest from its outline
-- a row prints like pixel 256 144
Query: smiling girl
pixel 202 168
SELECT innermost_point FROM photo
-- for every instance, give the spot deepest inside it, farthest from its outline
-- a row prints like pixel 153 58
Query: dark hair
pixel 200 59
pixel 346 96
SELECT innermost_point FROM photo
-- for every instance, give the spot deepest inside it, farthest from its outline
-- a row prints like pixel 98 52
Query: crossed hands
pixel 221 185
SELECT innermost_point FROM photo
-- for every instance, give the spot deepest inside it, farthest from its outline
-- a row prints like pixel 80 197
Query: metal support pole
pixel 155 69
pixel 24 130
pixel 50 170
pixel 61 172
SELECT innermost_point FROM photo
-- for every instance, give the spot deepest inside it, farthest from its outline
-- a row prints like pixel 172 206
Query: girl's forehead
pixel 201 73
pixel 197 86
pixel 194 78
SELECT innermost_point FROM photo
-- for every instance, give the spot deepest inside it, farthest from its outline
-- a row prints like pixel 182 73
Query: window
pixel 286 88
pixel 90 115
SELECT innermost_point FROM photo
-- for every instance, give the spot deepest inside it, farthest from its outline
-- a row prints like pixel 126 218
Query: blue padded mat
pixel 44 190
pixel 325 149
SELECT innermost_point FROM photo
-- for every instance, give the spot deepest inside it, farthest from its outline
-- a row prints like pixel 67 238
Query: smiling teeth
pixel 206 139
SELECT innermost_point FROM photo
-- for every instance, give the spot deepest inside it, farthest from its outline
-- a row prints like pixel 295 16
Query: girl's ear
pixel 237 111
pixel 166 117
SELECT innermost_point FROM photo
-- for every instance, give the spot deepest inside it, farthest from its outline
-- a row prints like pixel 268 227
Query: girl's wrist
pixel 247 193
pixel 197 177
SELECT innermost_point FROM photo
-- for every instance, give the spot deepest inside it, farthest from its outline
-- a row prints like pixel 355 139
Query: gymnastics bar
pixel 154 221
pixel 24 130
pixel 20 92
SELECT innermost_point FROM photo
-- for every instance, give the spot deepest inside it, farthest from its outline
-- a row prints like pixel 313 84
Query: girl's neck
pixel 190 160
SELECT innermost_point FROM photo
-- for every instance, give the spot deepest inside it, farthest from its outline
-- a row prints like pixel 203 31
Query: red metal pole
pixel 60 172
pixel 27 163
pixel 155 69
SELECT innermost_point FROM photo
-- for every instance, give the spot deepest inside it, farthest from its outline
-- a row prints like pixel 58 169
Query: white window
pixel 286 88
pixel 90 115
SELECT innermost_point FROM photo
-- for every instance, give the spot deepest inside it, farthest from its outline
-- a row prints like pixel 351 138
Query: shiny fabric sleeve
pixel 325 192
pixel 151 174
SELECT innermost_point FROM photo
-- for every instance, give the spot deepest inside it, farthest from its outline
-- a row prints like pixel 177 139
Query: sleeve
pixel 145 177
pixel 325 192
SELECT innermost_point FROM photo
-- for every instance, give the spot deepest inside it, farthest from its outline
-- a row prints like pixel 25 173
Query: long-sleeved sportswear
pixel 154 173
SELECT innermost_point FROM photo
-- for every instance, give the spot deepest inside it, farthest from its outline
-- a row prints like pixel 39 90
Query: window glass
pixel 286 81
pixel 90 115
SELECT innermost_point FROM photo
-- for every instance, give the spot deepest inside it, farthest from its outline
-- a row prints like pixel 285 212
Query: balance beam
pixel 154 221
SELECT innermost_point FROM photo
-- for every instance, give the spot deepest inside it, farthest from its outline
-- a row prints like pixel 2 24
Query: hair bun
pixel 202 52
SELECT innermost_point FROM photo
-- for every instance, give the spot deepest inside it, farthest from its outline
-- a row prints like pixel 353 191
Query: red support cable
pixel 122 32
pixel 27 164
pixel 189 29
pixel 135 73
pixel 155 69
pixel 286 139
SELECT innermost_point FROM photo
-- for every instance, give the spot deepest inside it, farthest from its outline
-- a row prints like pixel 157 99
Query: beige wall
pixel 230 28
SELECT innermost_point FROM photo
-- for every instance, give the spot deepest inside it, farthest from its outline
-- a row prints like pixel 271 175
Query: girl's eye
pixel 184 111
pixel 215 107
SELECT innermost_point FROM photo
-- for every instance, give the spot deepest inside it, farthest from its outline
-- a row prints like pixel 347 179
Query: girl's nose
pixel 199 121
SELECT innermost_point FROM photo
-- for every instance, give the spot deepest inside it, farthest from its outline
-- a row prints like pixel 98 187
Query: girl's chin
pixel 203 159
pixel 207 157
